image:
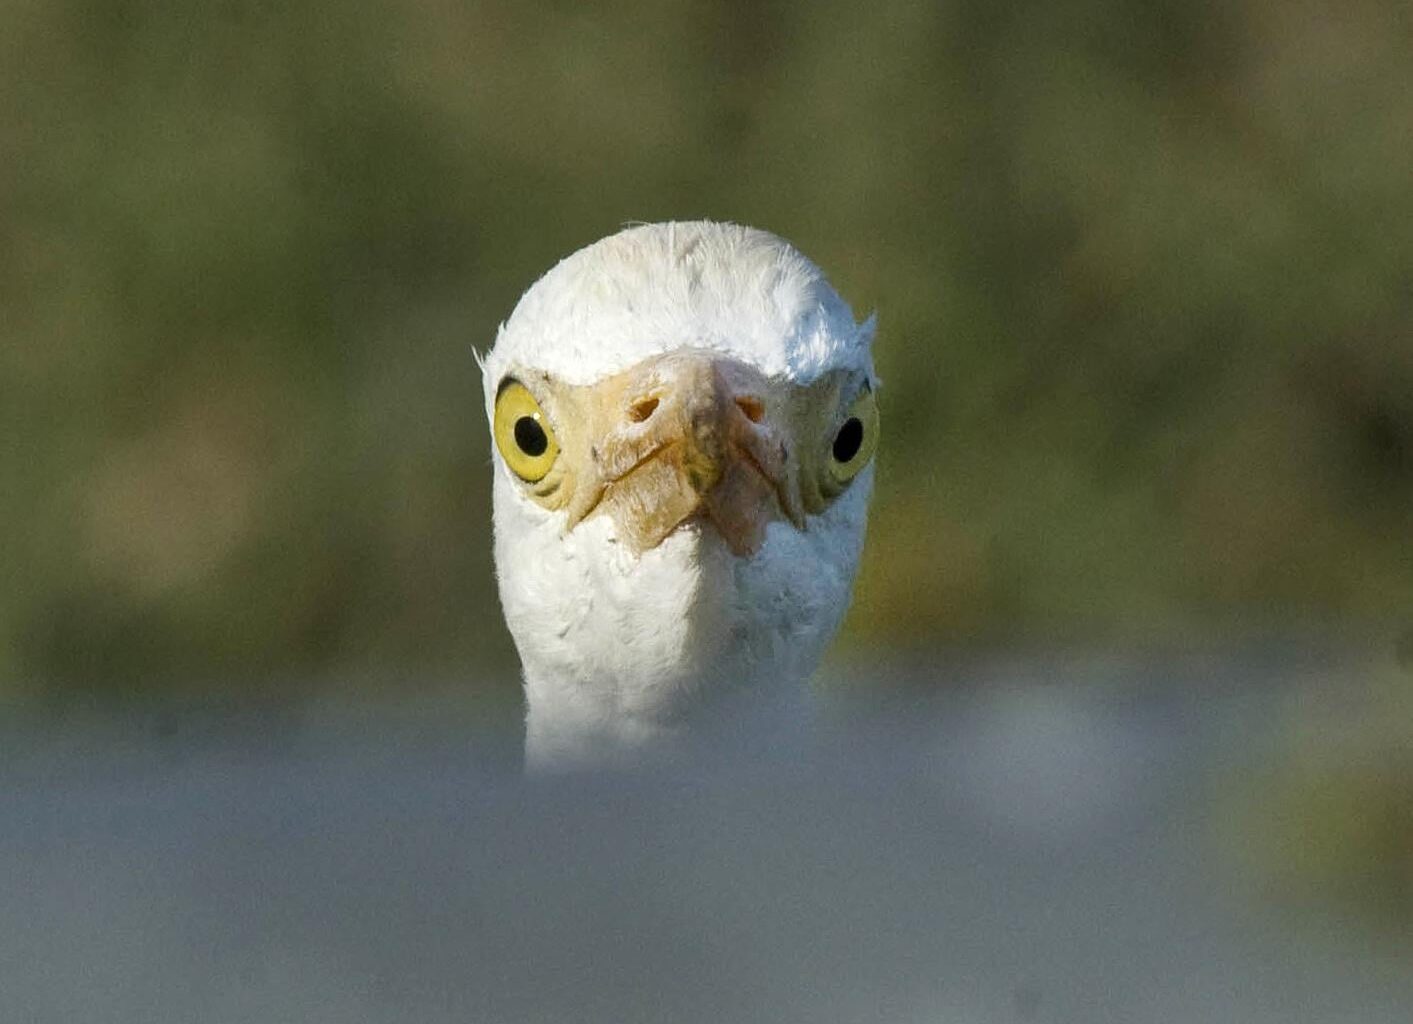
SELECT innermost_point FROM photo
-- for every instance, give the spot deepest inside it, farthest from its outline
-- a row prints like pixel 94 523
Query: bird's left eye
pixel 523 433
pixel 855 438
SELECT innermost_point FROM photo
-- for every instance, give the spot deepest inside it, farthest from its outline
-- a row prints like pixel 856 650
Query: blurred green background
pixel 1144 275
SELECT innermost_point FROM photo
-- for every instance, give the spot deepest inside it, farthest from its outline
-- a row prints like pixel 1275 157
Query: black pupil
pixel 849 439
pixel 530 436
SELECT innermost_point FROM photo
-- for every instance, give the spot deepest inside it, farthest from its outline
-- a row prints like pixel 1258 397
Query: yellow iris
pixel 852 445
pixel 523 433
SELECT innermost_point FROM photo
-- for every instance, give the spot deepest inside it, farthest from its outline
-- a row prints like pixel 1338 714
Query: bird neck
pixel 577 723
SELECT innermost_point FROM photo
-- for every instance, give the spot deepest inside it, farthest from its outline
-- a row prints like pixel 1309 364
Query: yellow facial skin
pixel 687 435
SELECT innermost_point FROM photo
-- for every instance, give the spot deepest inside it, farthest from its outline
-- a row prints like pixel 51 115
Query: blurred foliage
pixel 1144 273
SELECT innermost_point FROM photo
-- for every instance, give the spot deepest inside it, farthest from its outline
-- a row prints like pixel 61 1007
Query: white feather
pixel 657 287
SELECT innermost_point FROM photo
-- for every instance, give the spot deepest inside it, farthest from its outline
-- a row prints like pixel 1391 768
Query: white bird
pixel 684 422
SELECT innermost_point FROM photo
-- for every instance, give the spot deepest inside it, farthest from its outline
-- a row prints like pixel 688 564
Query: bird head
pixel 684 419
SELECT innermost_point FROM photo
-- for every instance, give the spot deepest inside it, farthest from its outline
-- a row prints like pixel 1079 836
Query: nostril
pixel 642 409
pixel 754 408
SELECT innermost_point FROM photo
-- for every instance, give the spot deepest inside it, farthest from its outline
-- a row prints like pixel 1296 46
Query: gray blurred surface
pixel 1027 848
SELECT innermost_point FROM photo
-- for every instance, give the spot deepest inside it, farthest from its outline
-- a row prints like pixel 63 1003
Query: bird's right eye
pixel 853 444
pixel 523 433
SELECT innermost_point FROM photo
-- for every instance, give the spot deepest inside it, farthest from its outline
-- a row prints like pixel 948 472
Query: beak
pixel 690 436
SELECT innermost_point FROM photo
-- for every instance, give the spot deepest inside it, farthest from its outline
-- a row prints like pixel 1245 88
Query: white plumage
pixel 686 640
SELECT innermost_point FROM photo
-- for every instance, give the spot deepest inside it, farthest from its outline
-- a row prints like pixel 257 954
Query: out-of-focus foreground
pixel 1054 845
pixel 1143 274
